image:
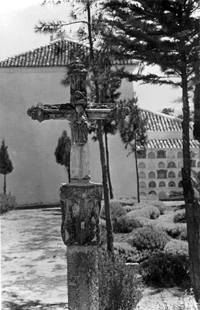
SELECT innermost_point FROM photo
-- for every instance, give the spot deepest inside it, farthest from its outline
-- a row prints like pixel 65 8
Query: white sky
pixel 8 6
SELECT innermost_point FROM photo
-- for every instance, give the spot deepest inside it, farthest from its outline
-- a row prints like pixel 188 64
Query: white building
pixel 160 165
pixel 35 76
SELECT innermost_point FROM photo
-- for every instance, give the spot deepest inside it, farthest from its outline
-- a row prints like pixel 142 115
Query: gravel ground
pixel 33 264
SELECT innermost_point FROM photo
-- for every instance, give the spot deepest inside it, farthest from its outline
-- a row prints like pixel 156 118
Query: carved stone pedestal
pixel 80 203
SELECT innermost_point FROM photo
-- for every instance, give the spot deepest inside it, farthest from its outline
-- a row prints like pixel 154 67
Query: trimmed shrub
pixel 149 238
pixel 129 208
pixel 116 210
pixel 177 231
pixel 166 270
pixel 145 221
pixel 183 234
pixel 180 216
pixel 124 224
pixel 7 203
pixel 127 201
pixel 150 212
pixel 176 247
pixel 160 205
pixel 126 250
pixel 150 197
pixel 119 289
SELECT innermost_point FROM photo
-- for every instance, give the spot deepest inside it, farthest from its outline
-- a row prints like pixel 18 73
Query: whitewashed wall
pixel 36 177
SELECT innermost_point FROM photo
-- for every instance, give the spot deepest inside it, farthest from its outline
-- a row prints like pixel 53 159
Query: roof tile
pixel 170 143
pixel 57 53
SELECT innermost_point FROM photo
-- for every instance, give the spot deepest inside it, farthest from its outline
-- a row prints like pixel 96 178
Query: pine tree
pixel 6 166
pixel 62 152
pixel 133 133
pixel 165 33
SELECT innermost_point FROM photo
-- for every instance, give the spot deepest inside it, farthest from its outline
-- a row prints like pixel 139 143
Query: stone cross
pixel 80 199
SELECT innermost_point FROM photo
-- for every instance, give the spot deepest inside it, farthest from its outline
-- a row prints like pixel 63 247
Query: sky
pixel 17 21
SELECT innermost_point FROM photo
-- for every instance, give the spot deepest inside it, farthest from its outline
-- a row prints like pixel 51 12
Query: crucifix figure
pixel 80 199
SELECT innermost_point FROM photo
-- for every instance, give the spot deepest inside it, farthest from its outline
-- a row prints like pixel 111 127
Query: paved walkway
pixel 33 264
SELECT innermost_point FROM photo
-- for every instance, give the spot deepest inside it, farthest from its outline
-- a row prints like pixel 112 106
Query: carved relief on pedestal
pixel 80 206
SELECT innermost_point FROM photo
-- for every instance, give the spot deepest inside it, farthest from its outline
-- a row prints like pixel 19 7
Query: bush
pixel 180 216
pixel 124 224
pixel 176 247
pixel 129 208
pixel 131 254
pixel 177 231
pixel 150 212
pixel 149 238
pixel 126 250
pixel 7 203
pixel 145 221
pixel 160 205
pixel 166 270
pixel 116 210
pixel 119 289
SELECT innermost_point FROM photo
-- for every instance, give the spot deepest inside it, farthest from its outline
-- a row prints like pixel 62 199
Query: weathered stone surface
pixel 80 204
pixel 83 283
pixel 80 162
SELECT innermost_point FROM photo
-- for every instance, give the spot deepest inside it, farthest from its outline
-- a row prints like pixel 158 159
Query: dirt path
pixel 33 274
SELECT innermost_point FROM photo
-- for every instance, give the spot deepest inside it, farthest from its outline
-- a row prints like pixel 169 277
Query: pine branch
pixel 52 27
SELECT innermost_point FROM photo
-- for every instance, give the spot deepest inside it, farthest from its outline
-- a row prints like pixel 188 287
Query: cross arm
pixel 42 112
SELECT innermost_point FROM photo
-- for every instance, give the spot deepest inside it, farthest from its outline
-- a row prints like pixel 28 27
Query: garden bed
pixel 34 264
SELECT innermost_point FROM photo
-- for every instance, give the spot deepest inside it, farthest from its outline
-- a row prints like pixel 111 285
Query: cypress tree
pixel 62 151
pixel 6 166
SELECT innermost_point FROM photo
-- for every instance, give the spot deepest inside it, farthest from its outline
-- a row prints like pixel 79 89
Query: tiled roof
pixel 55 54
pixel 161 122
pixel 170 143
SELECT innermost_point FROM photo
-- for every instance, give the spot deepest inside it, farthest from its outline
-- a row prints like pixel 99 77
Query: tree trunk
pixel 196 130
pixel 69 174
pixel 137 174
pixel 108 163
pixel 192 207
pixel 105 189
pixel 101 146
pixel 4 184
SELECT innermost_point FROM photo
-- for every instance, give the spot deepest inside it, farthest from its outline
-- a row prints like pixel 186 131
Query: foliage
pixel 129 208
pixel 176 247
pixel 177 231
pixel 5 163
pixel 168 111
pixel 116 210
pixel 143 30
pixel 133 132
pixel 62 152
pixel 148 238
pixel 145 221
pixel 124 224
pixel 7 203
pixel 129 253
pixel 166 270
pixel 180 216
pixel 119 288
pixel 160 205
pixel 150 212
